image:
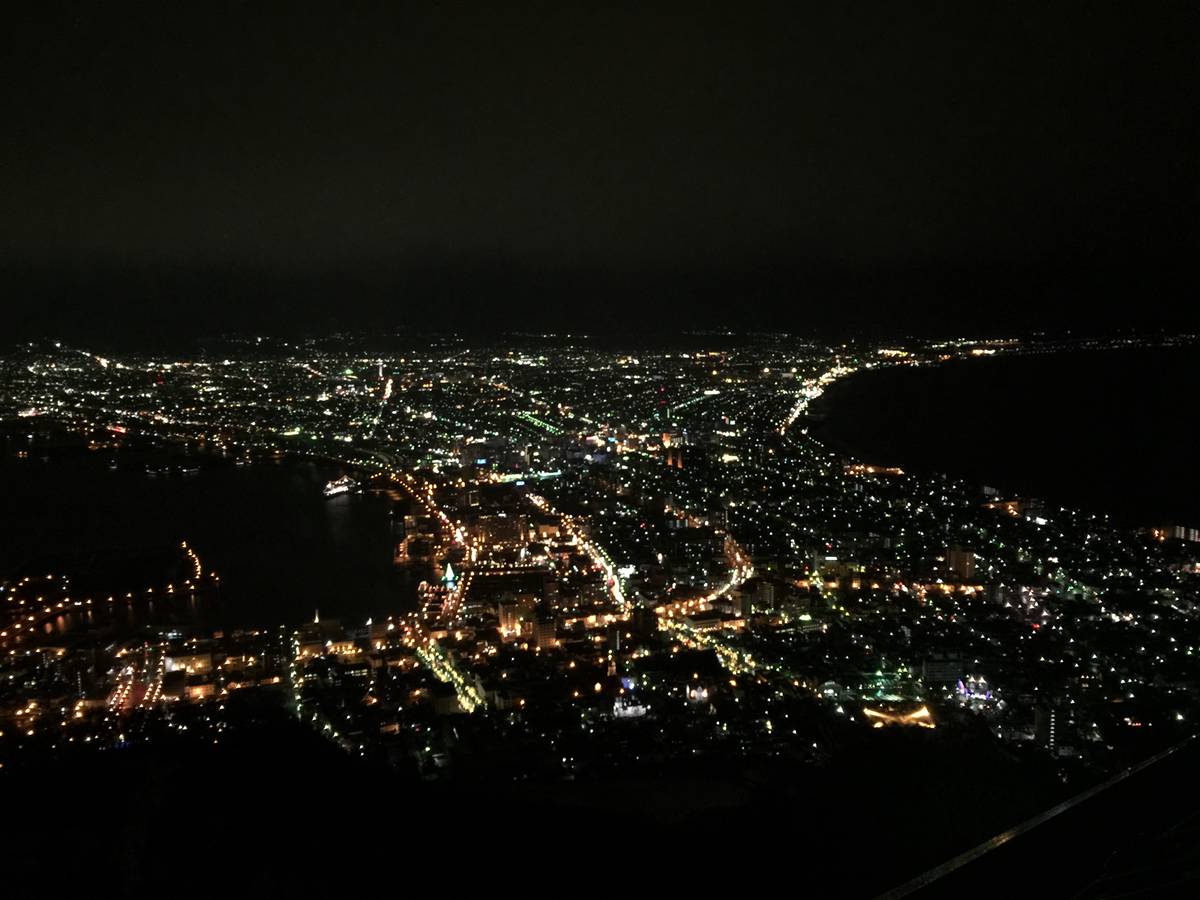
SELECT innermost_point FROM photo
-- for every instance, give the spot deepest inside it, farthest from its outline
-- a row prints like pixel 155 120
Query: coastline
pixel 280 546
pixel 1088 429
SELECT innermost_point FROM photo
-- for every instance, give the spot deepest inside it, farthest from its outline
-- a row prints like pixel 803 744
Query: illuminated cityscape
pixel 623 562
pixel 687 450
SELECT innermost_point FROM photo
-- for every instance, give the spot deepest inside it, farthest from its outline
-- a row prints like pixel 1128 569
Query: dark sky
pixel 191 167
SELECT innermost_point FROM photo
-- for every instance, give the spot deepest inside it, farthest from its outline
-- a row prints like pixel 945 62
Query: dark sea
pixel 1107 431
pixel 281 549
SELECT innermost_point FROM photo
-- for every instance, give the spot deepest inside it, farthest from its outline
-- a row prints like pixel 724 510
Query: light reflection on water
pixel 282 550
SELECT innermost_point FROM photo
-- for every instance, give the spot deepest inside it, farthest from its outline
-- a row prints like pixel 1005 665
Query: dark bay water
pixel 1110 431
pixel 281 549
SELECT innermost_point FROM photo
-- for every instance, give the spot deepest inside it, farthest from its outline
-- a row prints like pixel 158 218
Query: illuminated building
pixel 626 707
pixel 961 562
pixel 921 717
pixel 1176 532
pixel 513 611
pixel 1046 723
pixel 545 631
pixel 945 668
pixel 189 662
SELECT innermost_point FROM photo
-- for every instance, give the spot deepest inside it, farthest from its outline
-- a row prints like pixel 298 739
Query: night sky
pixel 193 168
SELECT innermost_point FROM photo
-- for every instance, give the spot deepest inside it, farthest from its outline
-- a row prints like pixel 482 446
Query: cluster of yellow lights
pixel 921 717
pixel 29 622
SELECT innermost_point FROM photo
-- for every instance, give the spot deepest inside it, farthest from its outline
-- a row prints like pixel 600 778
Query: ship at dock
pixel 343 485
